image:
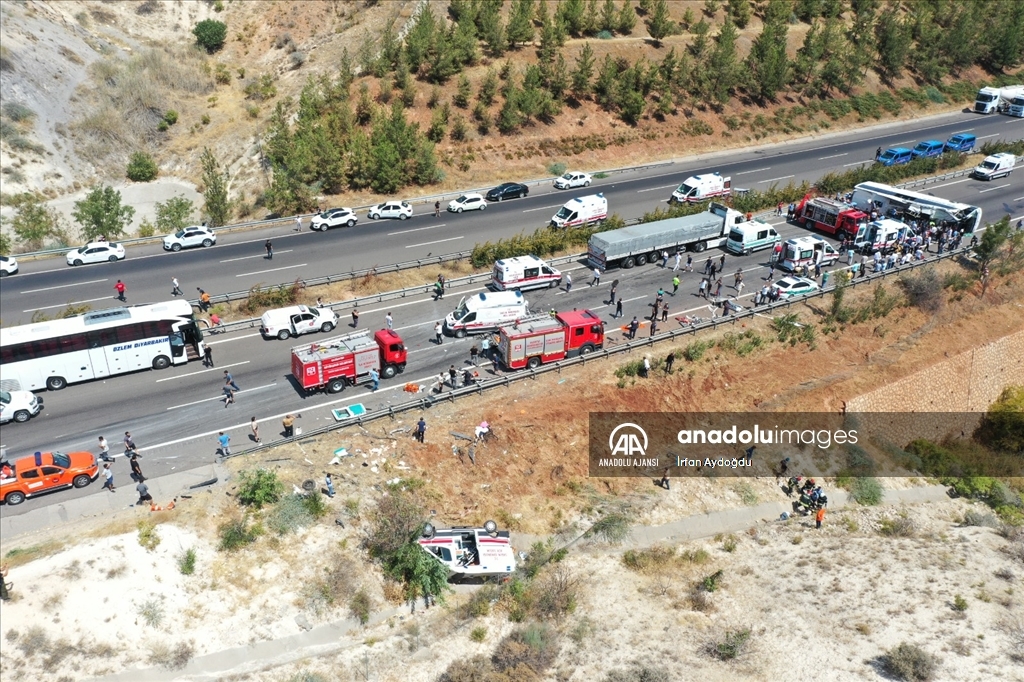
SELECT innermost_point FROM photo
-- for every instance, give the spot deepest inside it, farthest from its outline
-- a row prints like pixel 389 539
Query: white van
pixel 485 312
pixel 524 272
pixel 995 166
pixel 801 251
pixel 701 188
pixel 295 320
pixel 751 236
pixel 881 234
pixel 19 406
pixel 581 211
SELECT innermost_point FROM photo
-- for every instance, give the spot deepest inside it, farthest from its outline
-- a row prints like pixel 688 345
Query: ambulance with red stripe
pixel 524 272
pixel 471 551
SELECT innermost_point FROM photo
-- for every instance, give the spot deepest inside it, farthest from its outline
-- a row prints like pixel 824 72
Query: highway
pixel 176 414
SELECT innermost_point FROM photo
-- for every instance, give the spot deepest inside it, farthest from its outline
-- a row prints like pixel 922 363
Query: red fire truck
pixel 831 217
pixel 347 360
pixel 543 338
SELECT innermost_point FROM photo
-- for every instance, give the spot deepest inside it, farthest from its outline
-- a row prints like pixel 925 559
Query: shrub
pixel 959 604
pixel 257 487
pixel 141 167
pixel 555 594
pixel 909 662
pixel 151 612
pixel 298 59
pixel 556 168
pixel 148 537
pixel 478 634
pixel 900 527
pixel 923 289
pixel 639 672
pixel 976 518
pixel 641 560
pixel 171 116
pixel 210 34
pixel 289 514
pixel 360 606
pixel 236 534
pixel 534 647
pixel 172 658
pixel 866 490
pixel 146 228
pixel 710 583
pixel 187 562
pixel 731 646
pixel 18 112
pixel 695 351
pixel 612 528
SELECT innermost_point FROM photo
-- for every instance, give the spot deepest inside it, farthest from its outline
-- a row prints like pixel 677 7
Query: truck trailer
pixel 347 360
pixel 996 100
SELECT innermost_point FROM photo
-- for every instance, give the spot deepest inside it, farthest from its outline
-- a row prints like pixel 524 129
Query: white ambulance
pixel 801 251
pixel 485 312
pixel 701 188
pixel 524 272
pixel 581 211
pixel 881 234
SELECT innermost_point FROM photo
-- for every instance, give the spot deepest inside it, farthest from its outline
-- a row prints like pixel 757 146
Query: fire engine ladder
pixel 523 323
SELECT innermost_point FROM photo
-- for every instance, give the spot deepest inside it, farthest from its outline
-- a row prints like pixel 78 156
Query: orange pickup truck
pixel 44 472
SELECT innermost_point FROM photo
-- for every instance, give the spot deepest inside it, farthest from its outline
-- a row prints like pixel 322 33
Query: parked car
pixel 467 202
pixel 571 179
pixel 196 235
pixel 45 472
pixel 96 252
pixel 508 190
pixel 333 217
pixel 795 286
pixel 391 209
pixel 8 266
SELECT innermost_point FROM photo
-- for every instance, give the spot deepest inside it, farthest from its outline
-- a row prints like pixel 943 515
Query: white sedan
pixel 795 286
pixel 391 209
pixel 571 179
pixel 333 217
pixel 467 202
pixel 96 252
pixel 196 235
pixel 8 266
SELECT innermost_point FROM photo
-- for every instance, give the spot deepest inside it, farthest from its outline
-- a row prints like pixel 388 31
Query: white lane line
pixel 259 255
pixel 261 272
pixel 635 298
pixel 65 286
pixel 834 156
pixel 220 397
pixel 233 338
pixel 987 136
pixel 542 208
pixel 759 170
pixel 857 163
pixel 438 241
pixel 955 182
pixel 896 144
pixel 418 229
pixel 993 189
pixel 203 371
pixel 784 177
pixel 1017 199
pixel 64 305
pixel 641 191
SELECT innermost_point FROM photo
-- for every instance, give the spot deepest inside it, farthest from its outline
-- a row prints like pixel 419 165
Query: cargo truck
pixel 535 340
pixel 994 100
pixel 839 219
pixel 333 364
pixel 640 244
pixel 1017 106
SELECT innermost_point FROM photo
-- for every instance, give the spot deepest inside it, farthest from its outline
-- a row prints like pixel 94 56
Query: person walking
pixel 618 309
pixel 615 290
pixel 136 469
pixel 389 321
pixel 224 443
pixel 718 288
pixel 270 250
pixel 229 396
pixel 330 485
pixel 721 263
pixel 568 282
pixel 230 381
pixel 437 209
pixel 675 285
pixel 654 327
pixel 452 375
pixel 108 477
pixel 421 430
pixel 254 426
pixel 495 365
pixel 679 261
pixel 120 288
pixel 714 271
pixel 473 353
pixel 664 479
pixel 144 495
pixel 707 266
pixel 355 318
pixel 819 517
pixel 204 300
pixel 664 259
pixel 289 425
pixel 175 289
pixel 374 379
pixel 105 450
pixel 669 361
pixel 689 263
pixel 739 287
pixel 737 278
pixel 439 333
pixel 207 355
pixel 633 326
pixel 129 445
pixel 702 290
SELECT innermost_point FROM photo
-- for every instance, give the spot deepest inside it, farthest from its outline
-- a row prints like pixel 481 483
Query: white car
pixel 795 286
pixel 96 252
pixel 391 209
pixel 570 180
pixel 196 235
pixel 467 202
pixel 333 217
pixel 8 266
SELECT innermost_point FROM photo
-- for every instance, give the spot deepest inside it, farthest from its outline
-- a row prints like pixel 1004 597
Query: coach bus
pixel 99 344
pixel 907 205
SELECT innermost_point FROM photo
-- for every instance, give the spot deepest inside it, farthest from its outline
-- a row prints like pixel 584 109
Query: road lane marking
pixel 1016 198
pixel 857 163
pixel 759 170
pixel 834 156
pixel 418 229
pixel 261 272
pixel 955 182
pixel 203 371
pixel 784 177
pixel 220 397
pixel 70 303
pixel 987 136
pixel 233 338
pixel 992 189
pixel 641 191
pixel 65 286
pixel 543 208
pixel 438 241
pixel 259 255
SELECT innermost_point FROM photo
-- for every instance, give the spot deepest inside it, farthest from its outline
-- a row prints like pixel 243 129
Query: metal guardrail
pixel 508 379
pixel 936 178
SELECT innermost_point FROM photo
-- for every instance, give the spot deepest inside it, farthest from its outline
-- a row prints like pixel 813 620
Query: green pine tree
pixel 723 63
pixel 583 73
pixel 659 24
pixel 215 182
pixel 893 42
pixel 627 19
pixel 609 17
pixel 767 63
pixel 520 23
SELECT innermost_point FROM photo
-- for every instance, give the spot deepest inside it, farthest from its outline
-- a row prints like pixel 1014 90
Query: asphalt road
pixel 176 414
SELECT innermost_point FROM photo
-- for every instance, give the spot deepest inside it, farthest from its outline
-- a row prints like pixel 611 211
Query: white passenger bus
pixel 907 205
pixel 99 344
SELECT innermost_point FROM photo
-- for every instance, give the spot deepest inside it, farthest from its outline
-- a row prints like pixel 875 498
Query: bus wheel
pixel 161 362
pixel 56 383
pixel 335 385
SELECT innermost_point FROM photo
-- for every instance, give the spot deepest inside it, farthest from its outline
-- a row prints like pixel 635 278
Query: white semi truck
pixel 996 100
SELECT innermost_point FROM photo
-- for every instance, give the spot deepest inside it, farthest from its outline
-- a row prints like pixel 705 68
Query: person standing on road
pixel 633 326
pixel 568 282
pixel 721 263
pixel 689 263
pixel 664 312
pixel 702 291
pixel 136 469
pixel 654 327
pixel 298 223
pixel 289 425
pixel 207 355
pixel 707 266
pixel 675 285
pixel 452 374
pixel 437 209
pixel 120 288
pixel 254 426
pixel 230 381
pixel 664 259
pixel 421 430
pixel 374 379
pixel 473 353
pixel 597 277
pixel 439 333
pixel 224 441
pixel 270 249
pixel 485 346
pixel 615 289
pixel 108 477
pixel 389 321
pixel 105 450
pixel 618 309
pixel 175 289
pixel 355 318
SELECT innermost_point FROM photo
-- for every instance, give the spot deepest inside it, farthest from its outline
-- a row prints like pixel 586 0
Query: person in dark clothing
pixel 669 361
pixel 421 430
pixel 270 250
pixel 144 495
pixel 207 356
pixel 664 479
pixel 453 374
pixel 136 469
